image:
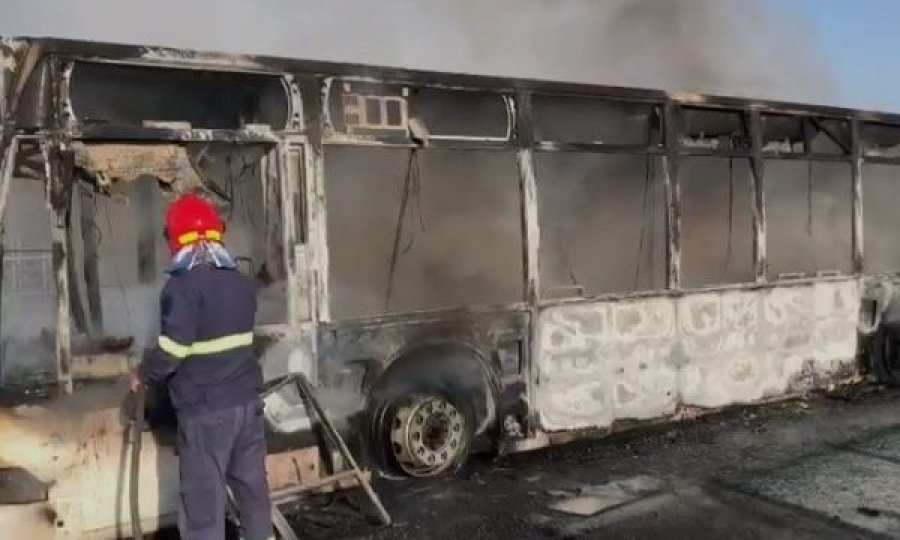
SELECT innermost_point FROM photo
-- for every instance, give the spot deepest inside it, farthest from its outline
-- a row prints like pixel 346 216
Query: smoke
pixel 760 49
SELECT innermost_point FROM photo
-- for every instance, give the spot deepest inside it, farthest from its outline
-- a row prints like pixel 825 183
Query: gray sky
pixel 762 48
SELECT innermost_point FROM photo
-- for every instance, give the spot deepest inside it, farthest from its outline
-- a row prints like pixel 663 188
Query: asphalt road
pixel 825 467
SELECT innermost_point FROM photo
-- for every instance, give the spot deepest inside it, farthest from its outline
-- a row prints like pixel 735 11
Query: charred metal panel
pixel 383 340
pixel 638 359
pixel 353 355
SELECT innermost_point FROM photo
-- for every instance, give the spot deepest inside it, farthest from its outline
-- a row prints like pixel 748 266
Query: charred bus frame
pixel 513 364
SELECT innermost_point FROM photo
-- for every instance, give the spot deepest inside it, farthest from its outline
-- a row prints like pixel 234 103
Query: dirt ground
pixel 823 467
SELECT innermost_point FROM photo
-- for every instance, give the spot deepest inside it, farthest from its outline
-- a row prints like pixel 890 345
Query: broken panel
pixel 139 96
pixel 881 193
pixel 714 130
pixel 716 221
pixel 422 229
pixel 602 222
pixel 809 218
pixel 595 121
pixel 880 140
pixel 458 114
pixel 830 137
pixel 783 134
pixel 28 317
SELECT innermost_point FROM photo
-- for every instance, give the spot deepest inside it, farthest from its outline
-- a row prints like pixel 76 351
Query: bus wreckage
pixel 458 263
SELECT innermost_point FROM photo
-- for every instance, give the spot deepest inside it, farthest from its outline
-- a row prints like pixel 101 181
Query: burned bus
pixel 458 262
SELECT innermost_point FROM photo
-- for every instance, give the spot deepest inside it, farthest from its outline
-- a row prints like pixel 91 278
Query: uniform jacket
pixel 205 348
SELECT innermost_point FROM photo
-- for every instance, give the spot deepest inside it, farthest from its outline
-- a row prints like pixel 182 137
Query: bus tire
pixel 424 433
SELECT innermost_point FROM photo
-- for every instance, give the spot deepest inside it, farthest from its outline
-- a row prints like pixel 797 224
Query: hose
pixel 137 430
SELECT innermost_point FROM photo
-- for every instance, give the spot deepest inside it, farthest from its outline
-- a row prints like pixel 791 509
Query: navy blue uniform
pixel 205 356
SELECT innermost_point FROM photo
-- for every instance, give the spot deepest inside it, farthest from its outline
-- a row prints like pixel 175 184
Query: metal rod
pixel 286 494
pixel 305 389
pixel 857 194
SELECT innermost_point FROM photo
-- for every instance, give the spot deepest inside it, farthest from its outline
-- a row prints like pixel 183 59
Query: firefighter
pixel 205 356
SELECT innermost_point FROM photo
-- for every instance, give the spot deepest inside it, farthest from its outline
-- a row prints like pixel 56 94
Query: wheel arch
pixel 461 365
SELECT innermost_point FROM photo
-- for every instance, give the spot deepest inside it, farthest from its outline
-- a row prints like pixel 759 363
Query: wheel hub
pixel 427 435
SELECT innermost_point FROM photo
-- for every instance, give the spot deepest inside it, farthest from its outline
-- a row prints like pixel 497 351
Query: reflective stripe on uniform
pixel 209 346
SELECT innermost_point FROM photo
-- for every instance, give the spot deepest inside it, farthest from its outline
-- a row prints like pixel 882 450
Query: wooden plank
pixel 295 467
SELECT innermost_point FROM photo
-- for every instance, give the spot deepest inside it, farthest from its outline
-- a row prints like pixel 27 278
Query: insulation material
pixel 127 162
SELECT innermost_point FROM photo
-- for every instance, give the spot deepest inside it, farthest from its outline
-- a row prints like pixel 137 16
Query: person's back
pixel 205 356
pixel 223 371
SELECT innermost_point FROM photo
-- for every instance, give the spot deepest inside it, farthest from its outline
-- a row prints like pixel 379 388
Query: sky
pixel 861 40
pixel 838 52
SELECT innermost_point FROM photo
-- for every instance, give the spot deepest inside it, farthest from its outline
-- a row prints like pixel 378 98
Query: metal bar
pixel 857 194
pixel 91 259
pixel 530 224
pixel 277 192
pixel 834 138
pixel 836 158
pixel 757 166
pixel 59 165
pixel 306 390
pixel 700 151
pixel 886 160
pixel 7 164
pixel 531 237
pixel 59 215
pixel 284 495
pixel 553 146
pixel 531 232
pixel 672 127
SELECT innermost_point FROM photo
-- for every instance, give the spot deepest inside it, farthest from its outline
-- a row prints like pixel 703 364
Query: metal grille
pixel 27 271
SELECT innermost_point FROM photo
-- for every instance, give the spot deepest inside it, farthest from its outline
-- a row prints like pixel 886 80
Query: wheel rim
pixel 428 434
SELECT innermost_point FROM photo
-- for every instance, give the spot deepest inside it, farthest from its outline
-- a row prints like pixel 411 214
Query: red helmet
pixel 190 219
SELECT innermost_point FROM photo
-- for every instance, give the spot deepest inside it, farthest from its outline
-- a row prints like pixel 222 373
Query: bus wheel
pixel 425 434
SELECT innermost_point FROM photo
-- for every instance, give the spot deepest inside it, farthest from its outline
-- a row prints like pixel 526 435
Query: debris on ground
pixel 590 500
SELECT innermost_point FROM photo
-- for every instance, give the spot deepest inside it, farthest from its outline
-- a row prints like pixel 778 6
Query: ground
pixel 823 467
pixel 827 466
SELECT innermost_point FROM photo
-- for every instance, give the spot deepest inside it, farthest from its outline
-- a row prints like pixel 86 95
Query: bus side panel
pixel 645 358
